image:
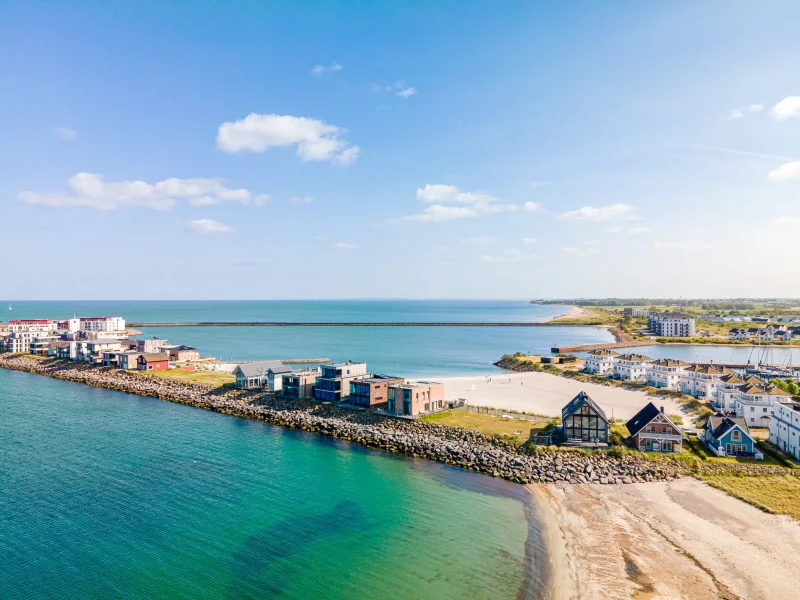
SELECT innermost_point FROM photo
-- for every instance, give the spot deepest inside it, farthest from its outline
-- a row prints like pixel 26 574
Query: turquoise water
pixel 110 495
pixel 406 351
pixel 733 354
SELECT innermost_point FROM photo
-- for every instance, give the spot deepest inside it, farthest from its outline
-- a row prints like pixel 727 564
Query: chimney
pixel 662 409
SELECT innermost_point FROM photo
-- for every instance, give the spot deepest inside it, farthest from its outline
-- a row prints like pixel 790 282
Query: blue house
pixel 730 436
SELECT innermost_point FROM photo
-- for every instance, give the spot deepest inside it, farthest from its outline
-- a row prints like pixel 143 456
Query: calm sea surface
pixel 406 351
pixel 110 495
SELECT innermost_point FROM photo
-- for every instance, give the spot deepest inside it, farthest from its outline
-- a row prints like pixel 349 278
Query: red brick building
pixel 152 362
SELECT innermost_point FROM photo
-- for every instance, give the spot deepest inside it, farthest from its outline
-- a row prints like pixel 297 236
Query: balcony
pixel 661 437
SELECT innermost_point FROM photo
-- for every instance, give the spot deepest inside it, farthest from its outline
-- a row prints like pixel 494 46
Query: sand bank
pixel 681 539
pixel 575 312
pixel 545 394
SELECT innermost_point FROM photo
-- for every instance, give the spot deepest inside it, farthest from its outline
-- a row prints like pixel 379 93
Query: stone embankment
pixel 451 445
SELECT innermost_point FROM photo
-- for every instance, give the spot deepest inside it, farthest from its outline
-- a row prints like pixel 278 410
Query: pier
pixel 351 324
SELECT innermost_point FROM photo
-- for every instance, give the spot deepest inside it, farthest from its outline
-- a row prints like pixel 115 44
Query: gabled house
pixel 583 420
pixel 728 391
pixel 665 373
pixel 783 335
pixel 631 367
pixel 600 362
pixel 730 436
pixel 266 373
pixel 756 403
pixel 651 430
pixel 152 362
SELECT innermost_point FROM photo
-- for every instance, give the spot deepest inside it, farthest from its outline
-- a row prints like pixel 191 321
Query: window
pixel 736 435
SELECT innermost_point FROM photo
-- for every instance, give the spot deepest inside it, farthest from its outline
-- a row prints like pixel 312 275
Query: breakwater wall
pixel 349 324
pixel 592 347
pixel 451 445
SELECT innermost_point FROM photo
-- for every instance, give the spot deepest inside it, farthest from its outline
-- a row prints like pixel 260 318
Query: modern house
pixel 600 362
pixel 701 381
pixel 671 324
pixel 152 362
pixel 730 436
pixel 665 373
pixel 584 421
pixel 414 399
pixel 183 353
pixel 784 430
pixel 756 404
pixel 739 334
pixel 299 384
pixel 727 392
pixel 373 392
pixel 631 367
pixel 264 374
pixel 333 384
pixel 653 431
pixel 94 349
pixel 151 345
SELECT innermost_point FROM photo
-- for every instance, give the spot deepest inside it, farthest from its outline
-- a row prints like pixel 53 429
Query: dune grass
pixel 517 430
pixel 216 378
pixel 777 494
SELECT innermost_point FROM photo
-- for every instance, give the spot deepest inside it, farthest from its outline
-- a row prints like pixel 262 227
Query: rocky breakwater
pixel 451 445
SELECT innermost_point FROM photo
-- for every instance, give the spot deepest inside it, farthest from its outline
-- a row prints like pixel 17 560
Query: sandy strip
pixel 545 394
pixel 681 539
pixel 575 312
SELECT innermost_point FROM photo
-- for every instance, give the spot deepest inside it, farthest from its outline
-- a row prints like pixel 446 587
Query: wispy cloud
pixel 398 88
pixel 209 227
pixel 600 213
pixel 787 108
pixel 738 113
pixel 528 241
pixel 786 172
pixel 510 256
pixel 346 246
pixel 90 190
pixel 320 70
pixel 451 203
pixel 576 251
pixel 66 133
pixel 481 240
pixel 629 230
pixel 315 139
pixel 301 199
pixel 739 152
pixel 677 245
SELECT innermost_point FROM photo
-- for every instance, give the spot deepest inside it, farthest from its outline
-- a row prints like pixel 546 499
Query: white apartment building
pixel 19 341
pixel 702 381
pixel 671 324
pixel 756 404
pixel 784 429
pixel 102 324
pixel 71 325
pixel 665 373
pixel 600 362
pixel 631 367
pixel 32 326
pixel 728 392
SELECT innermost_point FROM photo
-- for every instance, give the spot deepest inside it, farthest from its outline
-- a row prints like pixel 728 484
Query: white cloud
pixel 472 204
pixel 575 251
pixel 787 108
pixel 786 172
pixel 301 199
pixel 528 241
pixel 319 70
pixel 786 221
pixel 315 139
pixel 89 190
pixel 209 227
pixel 346 246
pixel 630 230
pixel 532 206
pixel 511 255
pixel 674 245
pixel 66 133
pixel 738 113
pixel 601 213
pixel 398 88
pixel 438 213
pixel 481 240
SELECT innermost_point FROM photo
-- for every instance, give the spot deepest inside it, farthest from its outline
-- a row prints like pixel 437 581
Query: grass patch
pixel 516 430
pixel 777 494
pixel 215 378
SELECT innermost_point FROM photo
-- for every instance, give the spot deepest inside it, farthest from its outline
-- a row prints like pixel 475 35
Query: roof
pixel 577 402
pixel 603 352
pixel 635 357
pixel 344 364
pixel 710 370
pixel 795 406
pixel 721 424
pixel 184 347
pixel 255 369
pixel 416 384
pixel 642 418
pixel 731 379
pixel 154 356
pixel 673 315
pixel 380 379
pixel 753 379
pixel 669 362
pixel 106 341
pixel 774 390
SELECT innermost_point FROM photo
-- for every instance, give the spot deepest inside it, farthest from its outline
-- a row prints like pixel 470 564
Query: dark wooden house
pixel 584 421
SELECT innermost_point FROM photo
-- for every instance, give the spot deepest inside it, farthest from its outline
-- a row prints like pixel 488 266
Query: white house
pixel 728 392
pixel 600 362
pixel 267 373
pixel 783 335
pixel 739 334
pixel 784 430
pixel 32 326
pixel 756 404
pixel 102 324
pixel 665 373
pixel 701 381
pixel 631 367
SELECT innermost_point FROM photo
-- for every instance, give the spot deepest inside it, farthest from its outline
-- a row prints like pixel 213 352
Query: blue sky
pixel 399 149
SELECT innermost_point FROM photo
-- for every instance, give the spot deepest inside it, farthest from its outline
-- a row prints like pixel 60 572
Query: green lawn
pixel 778 494
pixel 518 430
pixel 215 378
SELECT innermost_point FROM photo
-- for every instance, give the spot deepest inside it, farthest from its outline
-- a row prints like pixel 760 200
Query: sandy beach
pixel 681 539
pixel 545 394
pixel 575 312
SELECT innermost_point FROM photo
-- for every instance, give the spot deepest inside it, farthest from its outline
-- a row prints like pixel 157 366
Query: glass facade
pixel 586 425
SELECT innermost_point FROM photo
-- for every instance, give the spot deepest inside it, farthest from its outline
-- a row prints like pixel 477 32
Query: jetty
pixel 355 324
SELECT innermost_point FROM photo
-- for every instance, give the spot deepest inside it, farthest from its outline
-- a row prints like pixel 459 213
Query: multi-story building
pixel 600 362
pixel 300 384
pixel 19 341
pixel 373 392
pixel 102 324
pixel 631 367
pixel 701 381
pixel 635 311
pixel 784 430
pixel 756 404
pixel 665 373
pixel 41 344
pixel 727 392
pixel 333 384
pixel 151 345
pixel 72 325
pixel 32 326
pixel 413 399
pixel 92 351
pixel 671 324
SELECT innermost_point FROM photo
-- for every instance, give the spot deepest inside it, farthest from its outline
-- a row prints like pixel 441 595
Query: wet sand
pixel 681 539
